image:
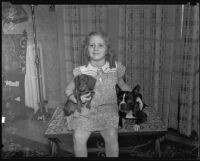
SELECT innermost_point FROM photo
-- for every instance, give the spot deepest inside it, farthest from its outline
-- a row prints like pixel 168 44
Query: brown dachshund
pixel 83 84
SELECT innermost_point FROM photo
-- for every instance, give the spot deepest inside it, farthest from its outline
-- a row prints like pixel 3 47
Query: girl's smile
pixel 97 48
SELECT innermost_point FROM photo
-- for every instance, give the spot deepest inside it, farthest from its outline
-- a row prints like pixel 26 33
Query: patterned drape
pixel 14 65
pixel 189 72
pixel 79 20
pixel 13 73
pixel 150 45
pixel 162 61
pixel 150 38
pixel 14 54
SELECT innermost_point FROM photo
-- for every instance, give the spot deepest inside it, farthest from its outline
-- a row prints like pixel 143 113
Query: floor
pixel 25 138
pixel 27 131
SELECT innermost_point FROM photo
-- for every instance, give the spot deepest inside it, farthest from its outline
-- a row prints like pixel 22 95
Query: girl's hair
pixel 110 57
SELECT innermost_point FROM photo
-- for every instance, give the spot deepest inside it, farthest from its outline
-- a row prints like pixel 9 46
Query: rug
pixel 169 150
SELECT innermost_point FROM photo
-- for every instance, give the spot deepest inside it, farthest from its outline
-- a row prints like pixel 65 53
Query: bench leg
pixel 157 145
pixel 54 150
pixel 54 147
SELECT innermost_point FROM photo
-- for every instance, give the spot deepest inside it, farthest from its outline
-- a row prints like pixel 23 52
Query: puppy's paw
pixel 136 127
pixel 84 110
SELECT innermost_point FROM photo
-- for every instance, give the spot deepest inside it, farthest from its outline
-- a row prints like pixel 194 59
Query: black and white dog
pixel 130 107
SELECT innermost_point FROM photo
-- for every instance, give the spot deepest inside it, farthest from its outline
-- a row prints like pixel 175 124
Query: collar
pixel 104 67
pixel 91 70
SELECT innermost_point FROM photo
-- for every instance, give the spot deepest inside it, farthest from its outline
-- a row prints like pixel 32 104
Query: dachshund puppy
pixel 83 84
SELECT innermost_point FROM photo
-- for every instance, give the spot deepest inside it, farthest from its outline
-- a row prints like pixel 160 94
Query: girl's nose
pixel 95 47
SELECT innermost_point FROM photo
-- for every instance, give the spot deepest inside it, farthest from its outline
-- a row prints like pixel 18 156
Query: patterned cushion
pixel 58 124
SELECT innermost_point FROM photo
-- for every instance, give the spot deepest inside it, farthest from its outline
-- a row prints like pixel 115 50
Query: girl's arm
pixel 69 91
pixel 120 76
pixel 123 85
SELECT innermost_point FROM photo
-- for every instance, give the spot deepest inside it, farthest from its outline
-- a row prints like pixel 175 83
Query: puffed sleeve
pixel 76 71
pixel 120 70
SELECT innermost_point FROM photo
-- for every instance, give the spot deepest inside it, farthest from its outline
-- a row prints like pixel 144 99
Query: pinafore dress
pixel 103 113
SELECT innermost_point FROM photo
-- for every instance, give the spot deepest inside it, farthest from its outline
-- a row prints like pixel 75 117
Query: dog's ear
pixel 136 90
pixel 118 89
pixel 91 82
pixel 84 78
pixel 76 80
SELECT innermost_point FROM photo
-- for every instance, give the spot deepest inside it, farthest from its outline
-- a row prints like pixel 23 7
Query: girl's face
pixel 97 48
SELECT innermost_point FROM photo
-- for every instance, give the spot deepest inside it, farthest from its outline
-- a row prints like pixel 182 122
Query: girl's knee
pixel 80 136
pixel 110 135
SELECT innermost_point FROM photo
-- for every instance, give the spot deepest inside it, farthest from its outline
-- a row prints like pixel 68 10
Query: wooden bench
pixel 152 131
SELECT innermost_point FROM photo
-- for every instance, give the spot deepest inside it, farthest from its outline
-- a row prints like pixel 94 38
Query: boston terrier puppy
pixel 130 107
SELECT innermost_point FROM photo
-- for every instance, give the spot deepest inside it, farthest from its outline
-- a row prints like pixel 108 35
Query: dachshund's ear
pixel 136 90
pixel 91 82
pixel 118 89
pixel 76 80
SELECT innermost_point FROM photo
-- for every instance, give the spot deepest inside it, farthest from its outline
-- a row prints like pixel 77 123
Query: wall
pixel 47 35
pixel 50 34
pixel 46 26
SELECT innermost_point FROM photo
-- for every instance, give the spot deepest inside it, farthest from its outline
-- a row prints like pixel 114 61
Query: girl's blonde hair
pixel 110 57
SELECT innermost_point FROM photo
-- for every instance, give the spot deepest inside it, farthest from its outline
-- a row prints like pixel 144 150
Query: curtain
pixel 79 21
pixel 189 72
pixel 150 36
pixel 150 45
pixel 31 86
pixel 162 61
pixel 14 48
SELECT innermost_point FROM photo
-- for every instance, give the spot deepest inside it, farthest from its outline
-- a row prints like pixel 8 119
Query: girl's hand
pixel 72 98
pixel 85 97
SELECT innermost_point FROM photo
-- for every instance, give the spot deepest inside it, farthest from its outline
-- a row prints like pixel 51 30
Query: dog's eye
pixel 130 98
pixel 121 97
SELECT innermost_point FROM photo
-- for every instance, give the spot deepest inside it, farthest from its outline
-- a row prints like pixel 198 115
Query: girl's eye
pixel 91 45
pixel 101 45
pixel 98 45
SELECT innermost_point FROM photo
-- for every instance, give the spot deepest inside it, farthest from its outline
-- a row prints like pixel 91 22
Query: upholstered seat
pixel 58 128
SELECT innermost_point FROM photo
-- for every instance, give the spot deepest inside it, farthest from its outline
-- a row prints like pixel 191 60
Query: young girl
pixel 103 114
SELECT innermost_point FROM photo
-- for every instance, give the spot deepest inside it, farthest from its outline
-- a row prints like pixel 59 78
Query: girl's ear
pixel 118 89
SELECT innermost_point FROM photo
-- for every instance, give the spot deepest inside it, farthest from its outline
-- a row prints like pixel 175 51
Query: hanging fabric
pixel 31 86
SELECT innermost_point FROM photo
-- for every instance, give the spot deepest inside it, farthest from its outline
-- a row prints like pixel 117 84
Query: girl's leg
pixel 110 137
pixel 80 138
